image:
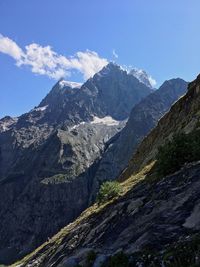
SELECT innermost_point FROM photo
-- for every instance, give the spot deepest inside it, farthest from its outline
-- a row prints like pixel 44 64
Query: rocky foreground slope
pixel 155 222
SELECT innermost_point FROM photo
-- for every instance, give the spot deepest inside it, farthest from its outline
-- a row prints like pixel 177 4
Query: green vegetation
pixel 181 149
pixel 108 191
pixel 55 179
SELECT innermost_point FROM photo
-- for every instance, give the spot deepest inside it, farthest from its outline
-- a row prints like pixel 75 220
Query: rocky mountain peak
pixel 111 66
pixel 109 70
pixel 173 81
pixel 6 122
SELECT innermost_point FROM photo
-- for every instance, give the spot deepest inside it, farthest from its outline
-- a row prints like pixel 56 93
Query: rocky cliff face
pixel 183 116
pixel 48 156
pixel 6 123
pixel 143 117
pixel 155 222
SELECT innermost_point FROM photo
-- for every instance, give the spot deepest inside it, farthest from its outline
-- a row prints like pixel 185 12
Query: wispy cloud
pixel 152 81
pixel 141 75
pixel 44 61
pixel 115 55
pixel 9 47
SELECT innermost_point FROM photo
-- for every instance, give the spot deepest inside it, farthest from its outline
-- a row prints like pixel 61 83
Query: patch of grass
pixel 108 191
pixel 55 179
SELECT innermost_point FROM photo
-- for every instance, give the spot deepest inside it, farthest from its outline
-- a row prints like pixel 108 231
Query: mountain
pixel 155 220
pixel 48 156
pixel 6 123
pixel 183 116
pixel 143 117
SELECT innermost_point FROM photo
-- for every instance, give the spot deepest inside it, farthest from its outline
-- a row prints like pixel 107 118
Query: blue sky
pixel 159 36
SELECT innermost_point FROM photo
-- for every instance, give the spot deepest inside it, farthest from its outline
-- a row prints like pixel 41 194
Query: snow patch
pixel 40 108
pixel 64 83
pixel 108 120
pixel 77 125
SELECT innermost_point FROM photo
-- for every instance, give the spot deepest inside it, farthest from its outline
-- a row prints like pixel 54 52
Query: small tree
pixel 108 191
pixel 181 149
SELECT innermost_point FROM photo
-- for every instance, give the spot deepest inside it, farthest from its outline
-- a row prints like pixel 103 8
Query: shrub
pixel 108 191
pixel 181 149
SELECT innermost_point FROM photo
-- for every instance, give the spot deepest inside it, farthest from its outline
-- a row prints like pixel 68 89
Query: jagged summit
pixel 109 69
pixel 111 66
pixel 139 74
pixel 6 123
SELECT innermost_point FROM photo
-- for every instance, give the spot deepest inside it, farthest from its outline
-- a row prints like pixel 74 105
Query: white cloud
pixel 115 55
pixel 142 76
pixel 88 63
pixel 9 47
pixel 152 81
pixel 45 61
